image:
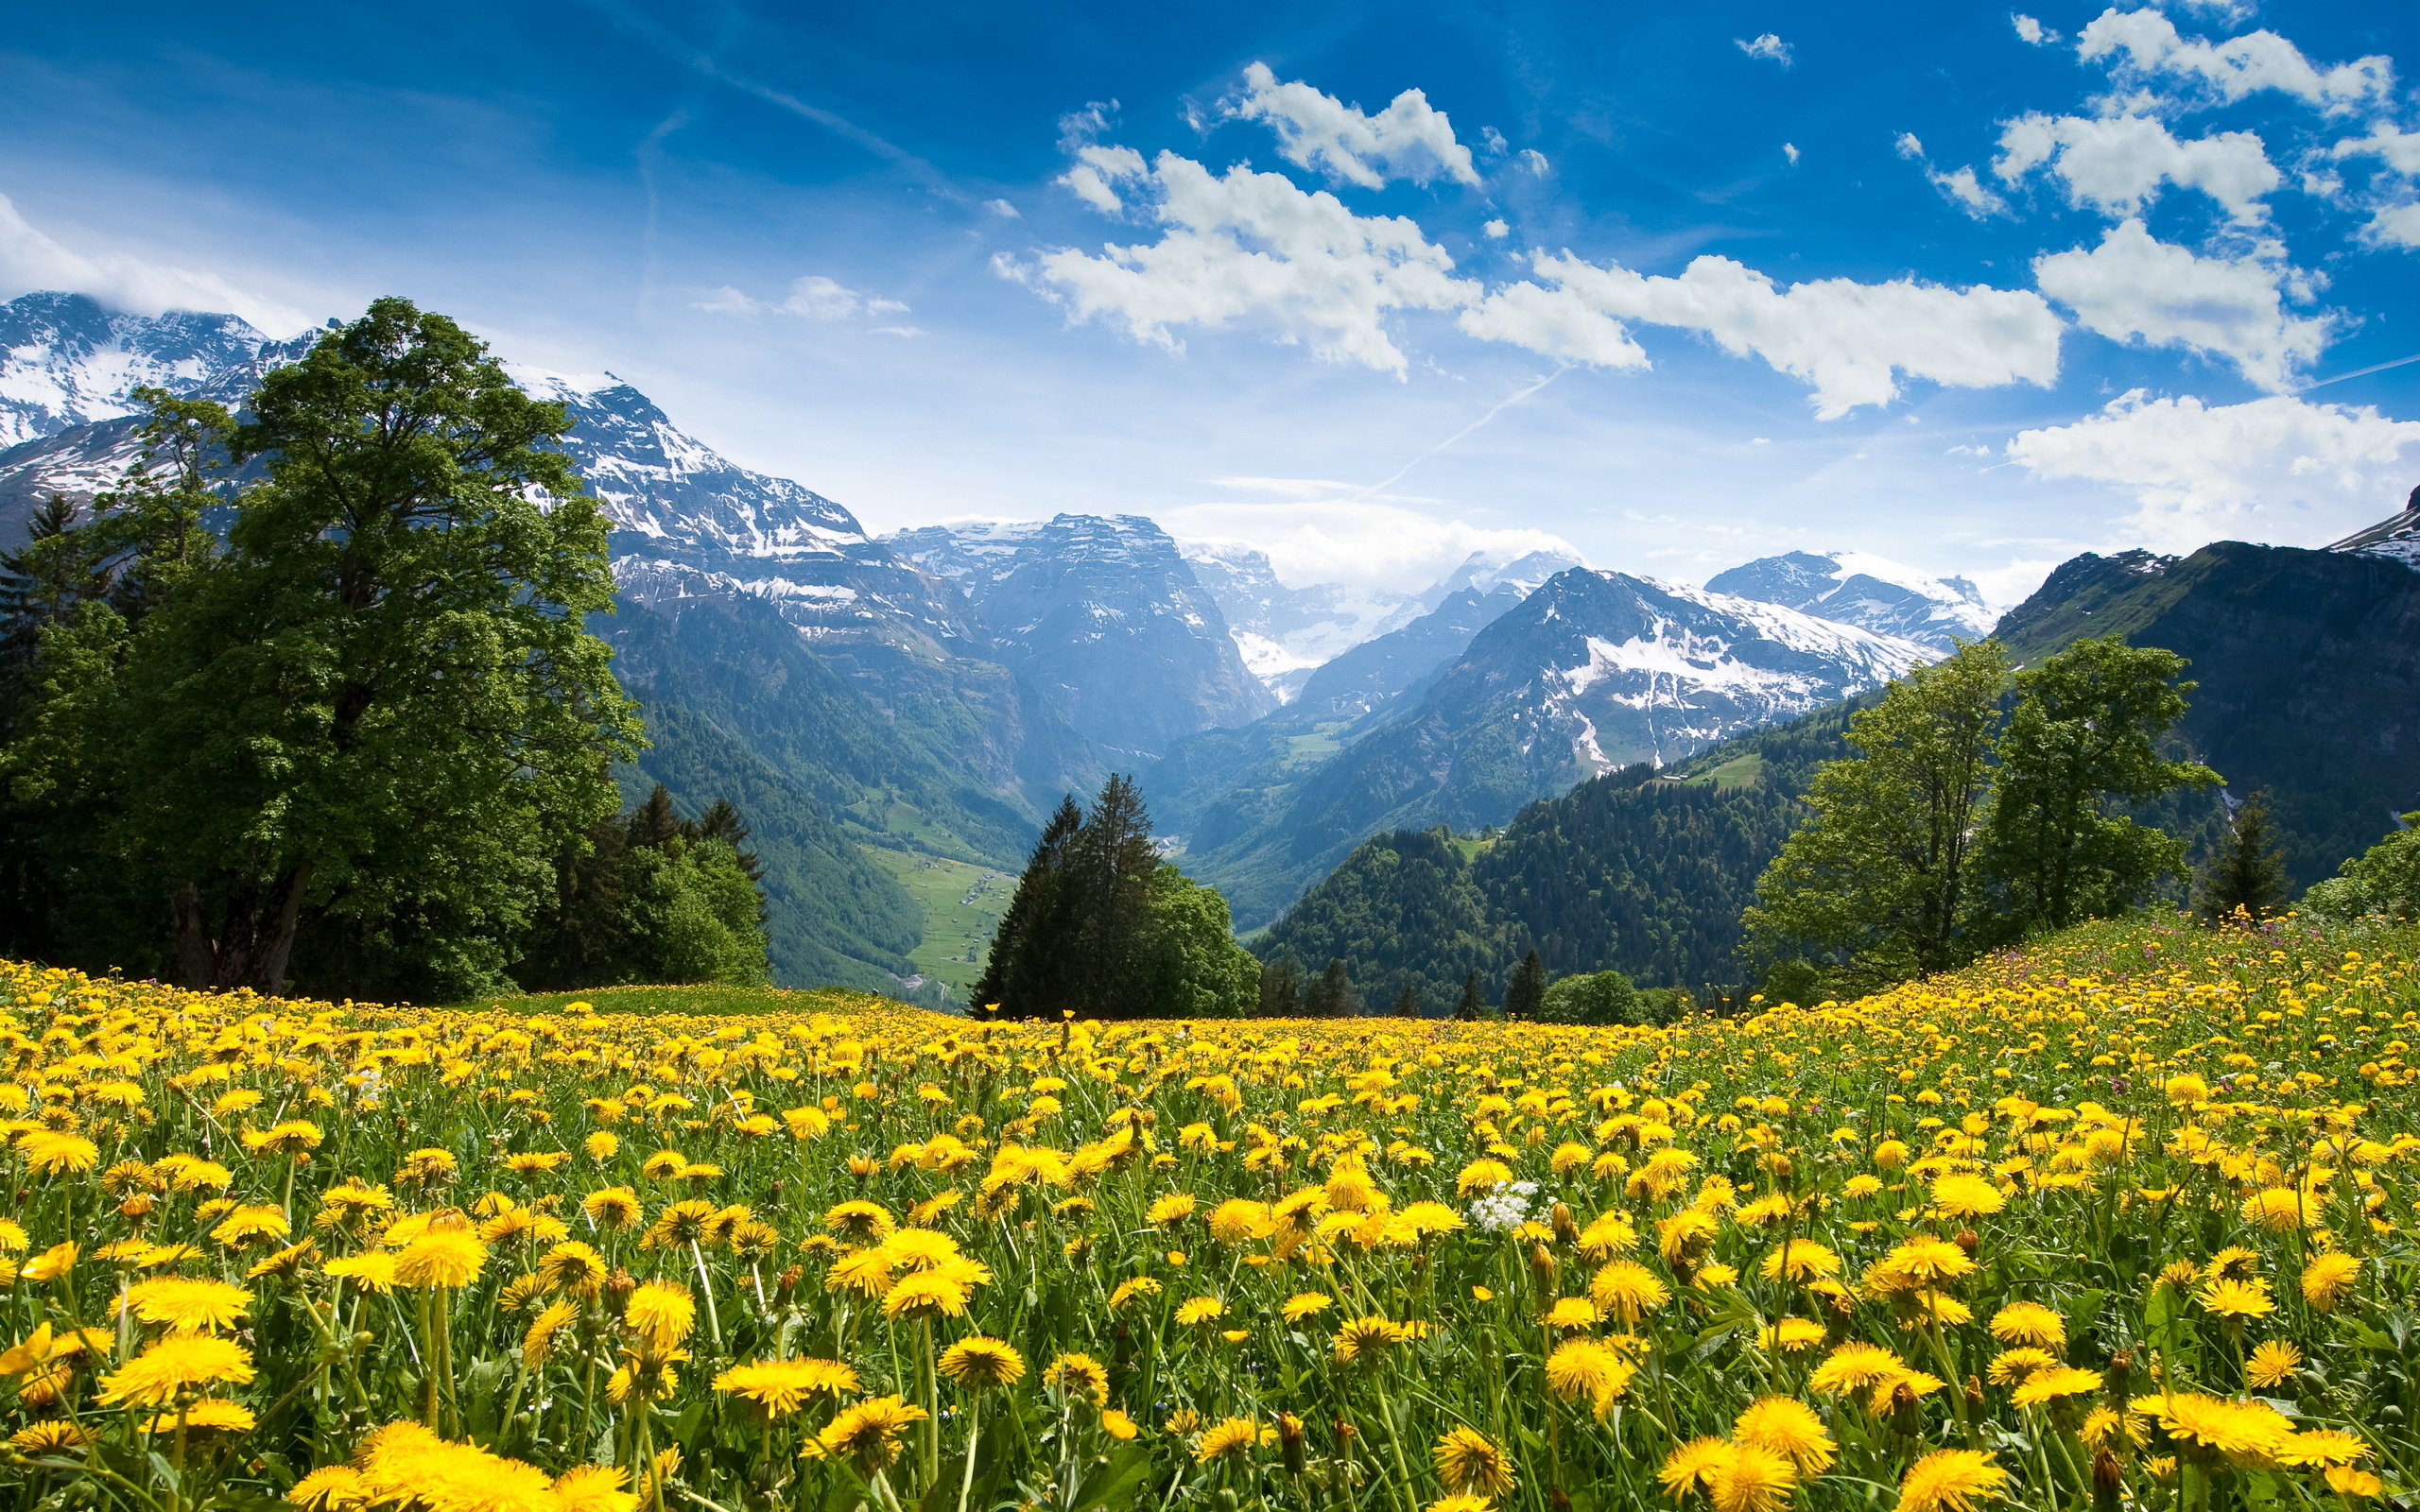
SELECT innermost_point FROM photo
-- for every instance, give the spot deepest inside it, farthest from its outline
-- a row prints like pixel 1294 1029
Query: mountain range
pixel 931 693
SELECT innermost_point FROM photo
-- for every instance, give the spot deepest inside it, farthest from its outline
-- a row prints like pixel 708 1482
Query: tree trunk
pixel 258 937
pixel 196 956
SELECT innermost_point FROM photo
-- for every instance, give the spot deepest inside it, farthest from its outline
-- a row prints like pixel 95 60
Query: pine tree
pixel 1407 1003
pixel 1281 987
pixel 1332 995
pixel 1473 1005
pixel 722 821
pixel 1023 947
pixel 1526 994
pixel 2246 870
pixel 654 821
pixel 1109 876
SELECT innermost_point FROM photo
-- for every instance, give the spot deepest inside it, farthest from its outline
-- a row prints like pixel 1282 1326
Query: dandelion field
pixel 2121 1221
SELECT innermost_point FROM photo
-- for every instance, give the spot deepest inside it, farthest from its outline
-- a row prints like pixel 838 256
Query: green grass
pixel 710 998
pixel 1315 746
pixel 962 904
pixel 1737 772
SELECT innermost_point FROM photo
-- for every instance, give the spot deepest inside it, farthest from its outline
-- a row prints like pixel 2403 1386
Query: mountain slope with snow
pixel 1869 592
pixel 1594 670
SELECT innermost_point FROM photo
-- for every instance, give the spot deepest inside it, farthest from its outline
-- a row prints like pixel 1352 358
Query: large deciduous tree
pixel 2083 742
pixel 375 708
pixel 1875 886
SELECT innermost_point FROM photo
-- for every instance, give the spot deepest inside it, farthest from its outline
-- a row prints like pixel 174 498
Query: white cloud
pixel 1096 169
pixel 1961 187
pixel 1535 161
pixel 2221 73
pixel 2399 149
pixel 1766 46
pixel 1410 139
pixel 1003 209
pixel 1250 244
pixel 812 298
pixel 1789 150
pixel 1288 487
pixel 1497 230
pixel 2277 469
pixel 1556 322
pixel 1358 542
pixel 2397 224
pixel 2115 164
pixel 2004 588
pixel 2132 287
pixel 30 260
pixel 2031 30
pixel 1849 341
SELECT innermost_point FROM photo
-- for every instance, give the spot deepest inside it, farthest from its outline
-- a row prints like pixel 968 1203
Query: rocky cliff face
pixel 1105 615
pixel 1871 593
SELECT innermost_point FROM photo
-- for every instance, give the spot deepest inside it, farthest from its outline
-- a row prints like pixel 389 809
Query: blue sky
pixel 1679 286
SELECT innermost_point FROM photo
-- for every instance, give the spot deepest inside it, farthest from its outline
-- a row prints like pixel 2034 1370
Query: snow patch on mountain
pixel 1861 589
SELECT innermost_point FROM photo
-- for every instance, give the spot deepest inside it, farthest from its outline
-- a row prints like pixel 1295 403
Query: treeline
pixel 1102 928
pixel 309 698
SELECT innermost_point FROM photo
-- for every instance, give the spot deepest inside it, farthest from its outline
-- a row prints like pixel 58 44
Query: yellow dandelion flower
pixel 1951 1480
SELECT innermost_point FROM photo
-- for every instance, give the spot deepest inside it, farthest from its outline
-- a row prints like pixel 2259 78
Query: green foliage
pixel 2083 740
pixel 1470 1005
pixel 352 738
pixel 1592 998
pixel 1281 987
pixel 1402 912
pixel 1191 967
pixel 653 897
pixel 1877 882
pixel 2383 881
pixel 1525 997
pixel 2247 871
pixel 1100 927
pixel 1332 994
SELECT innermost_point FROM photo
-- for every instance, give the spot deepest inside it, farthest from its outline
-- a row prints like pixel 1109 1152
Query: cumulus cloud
pixel 2116 163
pixel 1535 161
pixel 2277 469
pixel 1250 244
pixel 1961 188
pixel 1096 168
pixel 1410 139
pixel 1003 209
pixel 1789 150
pixel 2031 30
pixel 1766 46
pixel 1850 341
pixel 2145 43
pixel 1497 230
pixel 1364 543
pixel 812 298
pixel 30 260
pixel 2399 149
pixel 2397 224
pixel 2133 287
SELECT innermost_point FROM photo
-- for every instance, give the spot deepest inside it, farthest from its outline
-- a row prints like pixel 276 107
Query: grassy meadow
pixel 2123 1220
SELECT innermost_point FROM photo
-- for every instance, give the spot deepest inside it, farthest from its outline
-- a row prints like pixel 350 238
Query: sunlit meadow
pixel 2121 1221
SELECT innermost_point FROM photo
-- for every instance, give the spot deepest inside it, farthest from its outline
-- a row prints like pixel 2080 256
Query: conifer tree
pixel 2246 870
pixel 1281 987
pixel 1332 994
pixel 1473 1004
pixel 1017 976
pixel 1526 994
pixel 1407 1003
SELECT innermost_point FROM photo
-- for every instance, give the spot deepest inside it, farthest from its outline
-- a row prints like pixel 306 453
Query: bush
pixel 2383 881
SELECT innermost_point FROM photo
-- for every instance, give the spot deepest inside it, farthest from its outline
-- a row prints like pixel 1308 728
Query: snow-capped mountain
pixel 65 361
pixel 1872 592
pixel 1105 613
pixel 1286 633
pixel 1594 670
pixel 2397 538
